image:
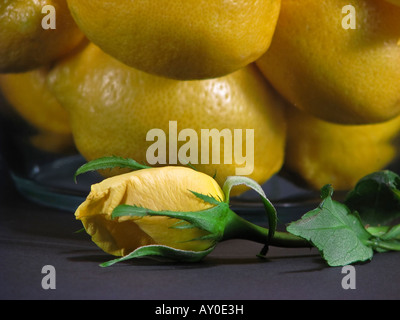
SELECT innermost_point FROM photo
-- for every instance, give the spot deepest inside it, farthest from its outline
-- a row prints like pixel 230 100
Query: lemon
pixel 320 152
pixel 158 189
pixel 181 39
pixel 397 2
pixel 340 75
pixel 25 44
pixel 114 107
pixel 28 96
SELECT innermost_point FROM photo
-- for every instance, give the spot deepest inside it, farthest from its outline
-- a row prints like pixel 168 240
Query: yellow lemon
pixel 181 39
pixel 334 72
pixel 397 2
pixel 158 189
pixel 26 42
pixel 320 153
pixel 28 96
pixel 218 125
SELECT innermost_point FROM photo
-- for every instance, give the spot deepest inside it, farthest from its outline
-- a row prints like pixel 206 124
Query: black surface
pixel 32 236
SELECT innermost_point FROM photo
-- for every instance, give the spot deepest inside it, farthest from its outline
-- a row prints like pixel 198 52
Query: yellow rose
pixel 172 212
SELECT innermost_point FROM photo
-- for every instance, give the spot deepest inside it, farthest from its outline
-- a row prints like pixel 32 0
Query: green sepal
pixel 109 163
pixel 208 237
pixel 269 208
pixel 207 198
pixel 160 252
pixel 182 225
pixel 211 220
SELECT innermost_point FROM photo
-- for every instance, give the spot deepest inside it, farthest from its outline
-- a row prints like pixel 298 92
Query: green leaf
pixel 269 208
pixel 380 245
pixel 377 231
pixel 385 232
pixel 161 252
pixel 336 232
pixel 393 233
pixel 376 197
pixel 109 163
pixel 326 191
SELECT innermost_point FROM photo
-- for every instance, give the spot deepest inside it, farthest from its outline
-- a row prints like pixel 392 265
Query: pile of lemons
pixel 322 99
